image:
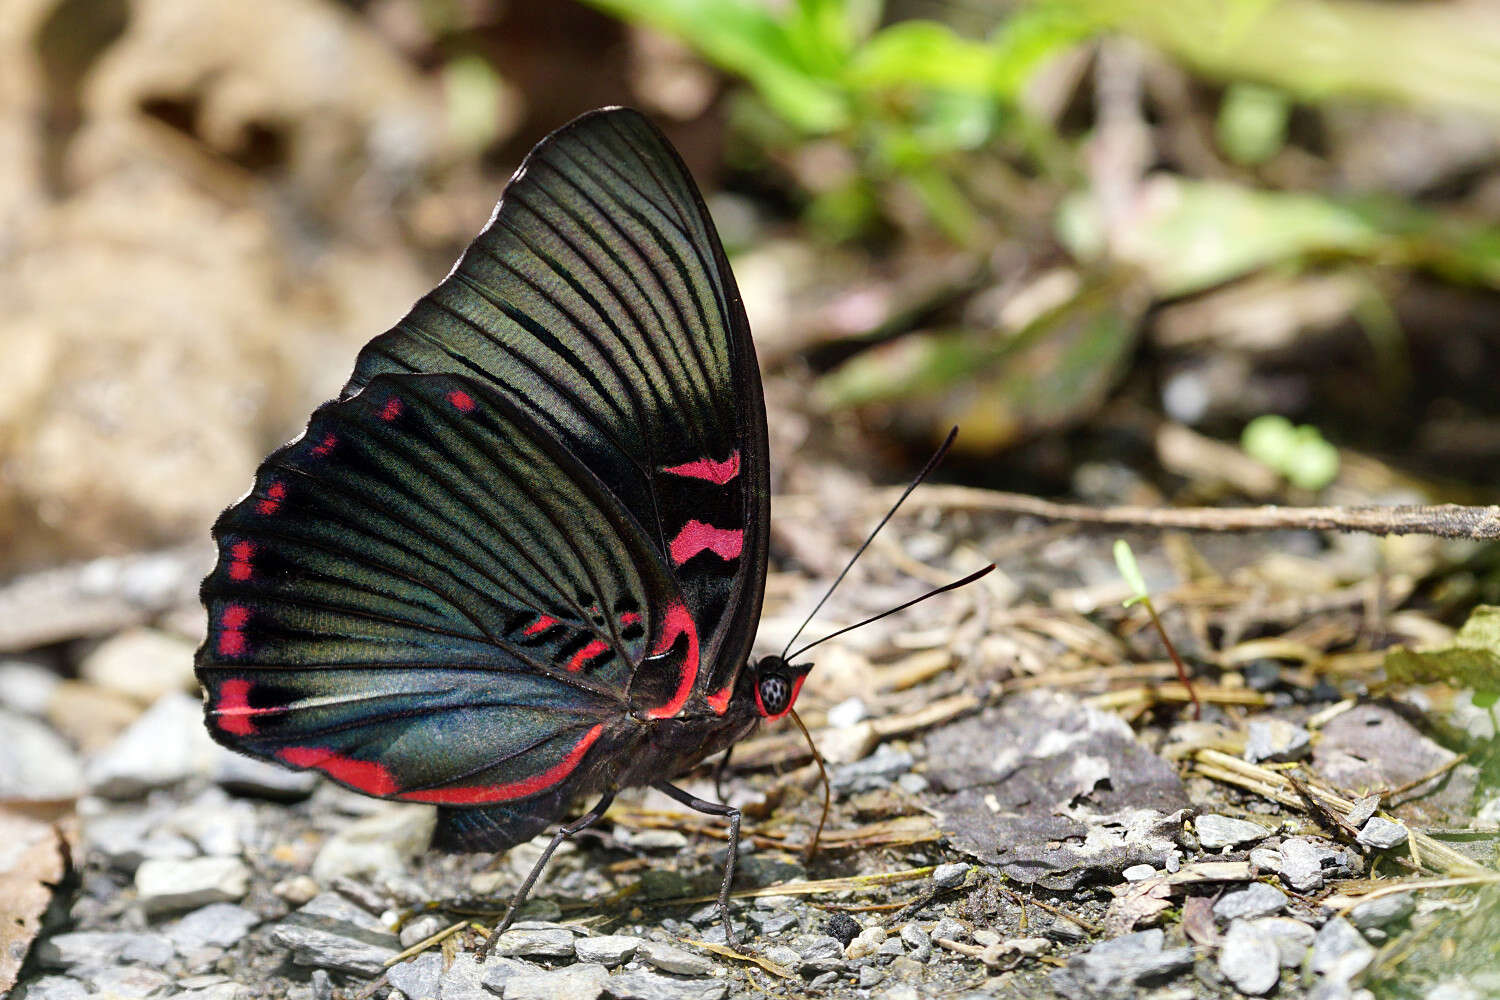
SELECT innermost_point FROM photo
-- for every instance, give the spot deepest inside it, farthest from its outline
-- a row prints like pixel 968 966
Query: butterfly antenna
pixel 926 471
pixel 812 847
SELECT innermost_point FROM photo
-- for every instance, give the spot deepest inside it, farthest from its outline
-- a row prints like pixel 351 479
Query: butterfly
pixel 521 558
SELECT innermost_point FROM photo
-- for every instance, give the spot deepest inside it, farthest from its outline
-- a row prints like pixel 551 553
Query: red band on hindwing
pixel 593 649
pixel 231 638
pixel 461 401
pixel 707 468
pixel 476 794
pixel 542 624
pixel 679 621
pixel 233 710
pixel 240 554
pixel 719 701
pixel 696 537
pixel 366 776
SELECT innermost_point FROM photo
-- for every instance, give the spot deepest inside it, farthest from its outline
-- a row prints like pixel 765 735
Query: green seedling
pixel 1125 560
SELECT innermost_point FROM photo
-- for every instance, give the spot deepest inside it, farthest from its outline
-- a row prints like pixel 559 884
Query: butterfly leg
pixel 588 819
pixel 720 770
pixel 715 809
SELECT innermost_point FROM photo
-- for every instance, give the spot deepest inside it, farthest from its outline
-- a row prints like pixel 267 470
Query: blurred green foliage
pixel 1299 453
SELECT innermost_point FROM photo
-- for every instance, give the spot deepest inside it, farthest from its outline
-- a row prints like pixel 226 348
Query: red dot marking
pixel 366 776
pixel 240 554
pixel 231 641
pixel 472 794
pixel 391 410
pixel 719 702
pixel 539 626
pixel 593 649
pixel 707 468
pixel 679 621
pixel 329 440
pixel 462 401
pixel 629 618
pixel 271 503
pixel 233 710
pixel 695 537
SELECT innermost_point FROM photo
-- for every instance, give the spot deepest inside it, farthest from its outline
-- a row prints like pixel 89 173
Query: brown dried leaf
pixel 33 860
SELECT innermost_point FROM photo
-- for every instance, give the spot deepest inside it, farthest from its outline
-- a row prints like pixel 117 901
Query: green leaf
pixel 1125 560
pixel 1472 661
pixel 1298 453
pixel 1252 122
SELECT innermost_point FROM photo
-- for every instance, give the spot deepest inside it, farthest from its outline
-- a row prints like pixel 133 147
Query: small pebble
pixel 869 940
pixel 1250 959
pixel 1382 834
pixel 1301 865
pixel 1383 911
pixel 330 932
pixel 912 784
pixel 320 985
pixel 1293 938
pixel 1276 740
pixel 643 985
pixel 950 876
pixel 84 948
pixel 773 922
pixel 783 956
pixel 847 712
pixel 584 981
pixel 35 762
pixel 818 952
pixel 948 929
pixel 52 988
pixel 1137 873
pixel 918 943
pixel 1266 859
pixel 164 885
pixel 417 977
pixel 1255 900
pixel 869 976
pixel 463 979
pixel 608 950
pixel 1216 832
pixel 669 958
pixel 891 947
pixel 220 925
pixel 550 942
pixel 1339 952
pixel 499 971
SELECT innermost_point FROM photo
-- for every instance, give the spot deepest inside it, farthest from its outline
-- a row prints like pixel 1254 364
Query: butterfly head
pixel 777 683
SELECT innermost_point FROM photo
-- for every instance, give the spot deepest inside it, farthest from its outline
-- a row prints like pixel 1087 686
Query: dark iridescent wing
pixel 598 300
pixel 428 597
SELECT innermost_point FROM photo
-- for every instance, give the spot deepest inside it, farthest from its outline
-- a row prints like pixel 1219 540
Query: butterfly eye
pixel 775 695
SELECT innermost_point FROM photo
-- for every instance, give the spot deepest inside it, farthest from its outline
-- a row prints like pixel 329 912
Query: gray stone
pixel 1138 873
pixel 912 784
pixel 1267 859
pixel 1216 832
pixel 773 921
pixel 127 981
pixel 1339 952
pixel 950 876
pixel 464 979
pixel 141 663
pixel 919 945
pixel 1116 968
pixel 1302 864
pixel 948 929
pixel 669 958
pixel 262 779
pixel 866 942
pixel 218 991
pixel 332 933
pixel 51 988
pixel 869 976
pixel 584 981
pixel 220 925
pixel 167 744
pixel 1276 740
pixel 164 885
pixel 379 845
pixel 1382 911
pixel 780 954
pixel 417 978
pixel 125 841
pixel 420 928
pixel 499 971
pixel 1250 959
pixel 1255 900
pixel 1293 938
pixel 1382 834
pixel 546 942
pixel 891 947
pixel 36 763
pixel 27 687
pixel 97 948
pixel 608 950
pixel 819 952
pixel 320 984
pixel 656 840
pixel 874 772
pixel 644 985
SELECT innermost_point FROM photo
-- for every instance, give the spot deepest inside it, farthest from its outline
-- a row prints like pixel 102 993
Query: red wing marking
pixel 240 554
pixel 539 626
pixel 696 536
pixel 391 410
pixel 232 621
pixel 367 776
pixel 678 622
pixel 707 468
pixel 719 701
pixel 271 502
pixel 462 401
pixel 326 446
pixel 233 710
pixel 629 618
pixel 593 649
pixel 474 794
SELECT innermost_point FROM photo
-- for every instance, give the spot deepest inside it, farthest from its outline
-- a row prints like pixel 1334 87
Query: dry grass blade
pixel 724 951
pixel 814 888
pixel 1425 851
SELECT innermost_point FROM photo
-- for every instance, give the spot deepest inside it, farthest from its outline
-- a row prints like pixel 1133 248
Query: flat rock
pixel 26 687
pixel 164 885
pixel 584 981
pixel 1118 968
pixel 84 949
pixel 1250 959
pixel 35 763
pixel 608 949
pixel 642 985
pixel 261 779
pixel 1054 792
pixel 220 925
pixel 1382 834
pixel 1255 900
pixel 1372 746
pixel 818 952
pixel 1216 832
pixel 141 663
pixel 1340 952
pixel 417 977
pixel 1293 938
pixel 879 770
pixel 499 970
pixel 127 981
pixel 464 979
pixel 378 845
pixel 545 942
pixel 1276 740
pixel 670 958
pixel 330 932
pixel 123 842
pixel 950 876
pixel 1302 864
pixel 164 746
pixel 51 988
pixel 1383 911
